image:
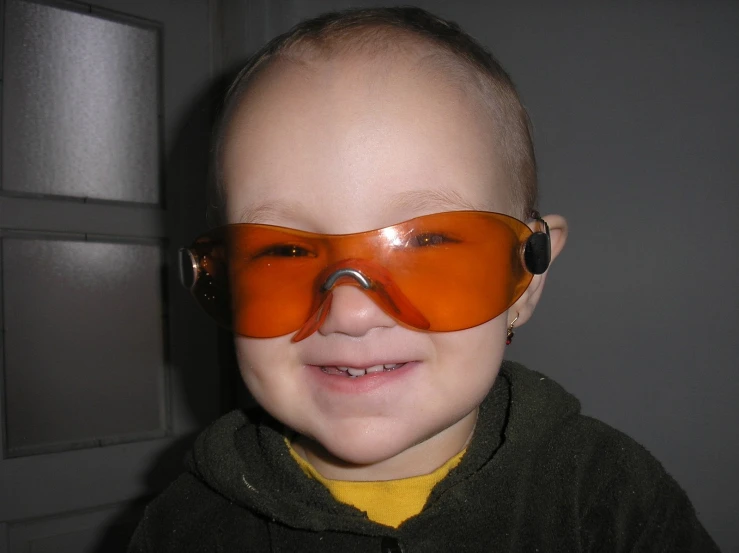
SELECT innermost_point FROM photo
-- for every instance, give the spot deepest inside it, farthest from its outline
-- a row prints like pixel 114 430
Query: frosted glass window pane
pixel 80 105
pixel 84 351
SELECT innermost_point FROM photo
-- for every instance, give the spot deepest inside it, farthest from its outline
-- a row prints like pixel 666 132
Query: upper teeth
pixel 369 370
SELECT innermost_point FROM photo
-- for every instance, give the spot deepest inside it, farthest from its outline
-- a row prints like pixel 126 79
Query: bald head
pixel 385 36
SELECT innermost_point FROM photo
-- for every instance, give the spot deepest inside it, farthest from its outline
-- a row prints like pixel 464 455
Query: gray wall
pixel 636 111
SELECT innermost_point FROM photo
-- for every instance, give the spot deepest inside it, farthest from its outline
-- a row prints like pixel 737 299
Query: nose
pixel 353 313
pixel 360 296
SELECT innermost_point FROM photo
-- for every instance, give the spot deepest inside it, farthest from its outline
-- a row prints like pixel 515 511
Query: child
pixel 381 245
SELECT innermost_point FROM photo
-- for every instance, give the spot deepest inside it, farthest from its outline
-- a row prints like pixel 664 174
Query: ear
pixel 525 305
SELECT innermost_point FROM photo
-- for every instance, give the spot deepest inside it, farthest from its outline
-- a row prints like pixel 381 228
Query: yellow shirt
pixel 388 502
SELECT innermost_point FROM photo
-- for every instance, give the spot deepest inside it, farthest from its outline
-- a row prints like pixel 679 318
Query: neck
pixel 421 458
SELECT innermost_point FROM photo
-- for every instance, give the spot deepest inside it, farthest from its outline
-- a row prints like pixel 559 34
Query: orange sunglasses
pixel 440 272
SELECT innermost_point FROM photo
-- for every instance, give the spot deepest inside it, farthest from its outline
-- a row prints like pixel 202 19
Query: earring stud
pixel 510 333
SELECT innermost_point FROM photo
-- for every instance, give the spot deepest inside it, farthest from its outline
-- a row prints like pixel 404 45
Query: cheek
pixel 263 364
pixel 475 352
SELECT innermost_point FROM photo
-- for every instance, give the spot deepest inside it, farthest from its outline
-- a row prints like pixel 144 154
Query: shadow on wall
pixel 187 172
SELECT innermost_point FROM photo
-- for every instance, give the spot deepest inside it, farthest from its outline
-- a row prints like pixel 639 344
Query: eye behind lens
pixel 286 250
pixel 430 239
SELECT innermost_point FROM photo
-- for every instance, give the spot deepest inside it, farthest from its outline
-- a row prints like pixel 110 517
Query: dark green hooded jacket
pixel 537 476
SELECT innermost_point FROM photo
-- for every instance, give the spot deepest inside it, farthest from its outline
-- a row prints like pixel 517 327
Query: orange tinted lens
pixel 441 272
pixel 461 268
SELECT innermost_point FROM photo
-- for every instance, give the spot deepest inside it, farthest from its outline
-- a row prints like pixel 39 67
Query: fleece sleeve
pixel 138 543
pixel 189 516
pixel 635 506
pixel 669 525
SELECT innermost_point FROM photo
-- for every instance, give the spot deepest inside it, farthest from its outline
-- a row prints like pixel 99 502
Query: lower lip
pixel 361 384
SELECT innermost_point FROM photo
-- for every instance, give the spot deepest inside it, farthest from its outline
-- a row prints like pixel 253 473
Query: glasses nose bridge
pixel 346 272
pixel 380 288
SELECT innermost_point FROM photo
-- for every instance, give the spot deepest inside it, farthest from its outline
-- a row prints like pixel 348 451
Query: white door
pixel 107 366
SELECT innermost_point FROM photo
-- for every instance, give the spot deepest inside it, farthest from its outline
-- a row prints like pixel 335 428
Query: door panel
pixel 58 293
pixel 85 479
pixel 108 368
pixel 87 531
pixel 81 104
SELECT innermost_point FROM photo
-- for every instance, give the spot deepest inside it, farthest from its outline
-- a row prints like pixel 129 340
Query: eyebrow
pixel 416 200
pixel 269 210
pixel 444 200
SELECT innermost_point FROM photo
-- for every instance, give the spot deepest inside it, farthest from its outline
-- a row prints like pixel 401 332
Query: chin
pixel 368 452
pixel 365 446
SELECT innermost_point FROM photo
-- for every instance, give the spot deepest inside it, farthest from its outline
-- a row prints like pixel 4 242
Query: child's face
pixel 349 145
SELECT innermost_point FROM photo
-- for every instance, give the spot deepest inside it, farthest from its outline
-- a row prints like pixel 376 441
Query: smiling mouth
pixel 353 372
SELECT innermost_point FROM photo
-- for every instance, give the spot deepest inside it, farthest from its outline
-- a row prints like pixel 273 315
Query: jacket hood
pixel 243 455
